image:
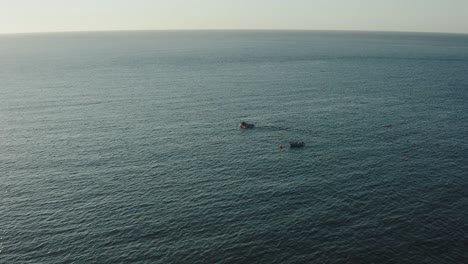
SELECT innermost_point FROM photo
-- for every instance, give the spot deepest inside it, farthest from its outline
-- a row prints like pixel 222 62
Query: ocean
pixel 125 147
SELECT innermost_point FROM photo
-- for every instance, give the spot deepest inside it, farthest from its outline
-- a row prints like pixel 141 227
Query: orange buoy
pixel 281 146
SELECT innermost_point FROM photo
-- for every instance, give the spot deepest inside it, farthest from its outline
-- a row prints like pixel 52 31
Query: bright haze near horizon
pixel 370 15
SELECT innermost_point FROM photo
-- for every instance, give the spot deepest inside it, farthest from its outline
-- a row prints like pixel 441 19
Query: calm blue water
pixel 124 147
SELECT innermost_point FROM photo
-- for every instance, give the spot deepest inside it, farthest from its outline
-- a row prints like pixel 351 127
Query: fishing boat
pixel 297 144
pixel 245 125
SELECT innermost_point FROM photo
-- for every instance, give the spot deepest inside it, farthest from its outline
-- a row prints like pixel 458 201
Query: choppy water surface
pixel 125 148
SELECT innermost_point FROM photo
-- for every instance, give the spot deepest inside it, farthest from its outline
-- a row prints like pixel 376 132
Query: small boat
pixel 245 125
pixel 297 144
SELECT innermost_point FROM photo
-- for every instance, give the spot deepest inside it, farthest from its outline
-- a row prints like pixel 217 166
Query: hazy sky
pixel 84 15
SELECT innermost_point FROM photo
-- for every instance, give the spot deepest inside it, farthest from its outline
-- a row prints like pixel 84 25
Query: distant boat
pixel 297 144
pixel 245 125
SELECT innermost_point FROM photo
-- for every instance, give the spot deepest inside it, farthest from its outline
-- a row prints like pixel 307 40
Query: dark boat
pixel 245 125
pixel 297 144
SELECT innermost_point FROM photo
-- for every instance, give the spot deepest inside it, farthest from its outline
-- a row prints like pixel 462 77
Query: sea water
pixel 125 147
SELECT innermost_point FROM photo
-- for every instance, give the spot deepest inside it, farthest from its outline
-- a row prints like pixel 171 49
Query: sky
pixel 19 16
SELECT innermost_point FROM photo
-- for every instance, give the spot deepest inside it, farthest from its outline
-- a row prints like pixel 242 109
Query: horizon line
pixel 229 29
